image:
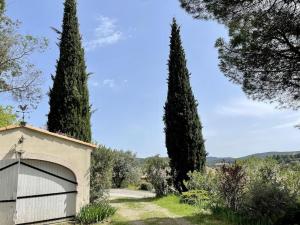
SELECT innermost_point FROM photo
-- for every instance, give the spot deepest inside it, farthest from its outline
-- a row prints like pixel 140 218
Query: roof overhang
pixel 2 129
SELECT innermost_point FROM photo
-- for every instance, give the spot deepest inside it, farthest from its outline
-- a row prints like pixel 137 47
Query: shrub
pixel 101 172
pixel 231 184
pixel 267 202
pixel 95 213
pixel 145 186
pixel 196 197
pixel 268 168
pixel 268 198
pixel 125 169
pixel 290 177
pixel 157 172
pixel 202 181
pixel 292 216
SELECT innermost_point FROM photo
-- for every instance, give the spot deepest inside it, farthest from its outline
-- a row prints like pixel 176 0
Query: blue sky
pixel 127 47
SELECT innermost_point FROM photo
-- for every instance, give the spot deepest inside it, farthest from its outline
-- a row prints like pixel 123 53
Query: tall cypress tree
pixel 69 98
pixel 184 140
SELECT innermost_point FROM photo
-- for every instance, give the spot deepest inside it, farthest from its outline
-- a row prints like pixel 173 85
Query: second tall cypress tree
pixel 184 140
pixel 69 97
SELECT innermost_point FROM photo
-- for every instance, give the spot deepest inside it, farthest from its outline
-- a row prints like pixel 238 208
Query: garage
pixel 44 177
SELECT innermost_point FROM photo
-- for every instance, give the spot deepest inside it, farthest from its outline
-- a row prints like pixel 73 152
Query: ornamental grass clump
pixel 95 213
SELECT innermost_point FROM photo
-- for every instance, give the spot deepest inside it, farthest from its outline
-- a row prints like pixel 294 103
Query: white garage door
pixel 8 184
pixel 45 192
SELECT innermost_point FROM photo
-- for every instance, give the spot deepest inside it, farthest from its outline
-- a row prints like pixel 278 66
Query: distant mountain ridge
pixel 213 160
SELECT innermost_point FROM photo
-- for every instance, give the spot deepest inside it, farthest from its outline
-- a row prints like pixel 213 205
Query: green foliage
pixel 184 140
pixel 112 168
pixel 7 116
pixel 255 191
pixel 125 169
pixel 102 161
pixel 262 54
pixel 290 178
pixel 172 203
pixel 287 158
pixel 267 202
pixel 254 166
pixel 196 197
pixel 270 193
pixel 157 172
pixel 202 181
pixel 70 111
pixel 146 186
pixel 95 213
pixel 232 182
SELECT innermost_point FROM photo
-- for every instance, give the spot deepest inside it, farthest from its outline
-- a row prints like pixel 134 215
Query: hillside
pixel 211 160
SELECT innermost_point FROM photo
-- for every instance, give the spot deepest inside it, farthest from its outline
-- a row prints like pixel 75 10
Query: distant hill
pixel 211 161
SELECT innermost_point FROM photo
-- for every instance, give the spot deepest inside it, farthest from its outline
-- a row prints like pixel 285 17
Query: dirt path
pixel 135 209
pixel 125 193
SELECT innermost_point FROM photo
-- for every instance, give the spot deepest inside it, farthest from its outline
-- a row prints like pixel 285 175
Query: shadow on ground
pixel 132 200
pixel 197 219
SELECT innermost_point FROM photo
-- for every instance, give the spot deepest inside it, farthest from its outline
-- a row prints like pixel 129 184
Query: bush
pixel 95 213
pixel 196 197
pixel 268 198
pixel 268 168
pixel 290 177
pixel 145 186
pixel 202 181
pixel 157 172
pixel 292 216
pixel 231 185
pixel 101 172
pixel 267 202
pixel 125 169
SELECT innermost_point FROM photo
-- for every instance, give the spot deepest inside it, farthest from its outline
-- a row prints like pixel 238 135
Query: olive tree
pixel 7 116
pixel 18 76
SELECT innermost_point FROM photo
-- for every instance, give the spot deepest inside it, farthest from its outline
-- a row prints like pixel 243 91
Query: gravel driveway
pixel 125 193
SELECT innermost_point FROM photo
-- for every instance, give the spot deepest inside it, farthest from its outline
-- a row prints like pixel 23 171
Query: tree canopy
pixel 7 116
pixel 263 51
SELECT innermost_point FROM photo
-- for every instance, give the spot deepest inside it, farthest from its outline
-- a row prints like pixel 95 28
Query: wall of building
pixel 40 146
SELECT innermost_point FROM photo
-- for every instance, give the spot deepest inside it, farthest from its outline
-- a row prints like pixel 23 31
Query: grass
pixel 198 216
pixel 133 187
pixel 172 203
pixel 116 220
pixel 190 213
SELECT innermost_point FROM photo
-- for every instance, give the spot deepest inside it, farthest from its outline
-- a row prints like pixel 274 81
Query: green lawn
pixel 191 213
pixel 152 211
pixel 172 203
pixel 163 211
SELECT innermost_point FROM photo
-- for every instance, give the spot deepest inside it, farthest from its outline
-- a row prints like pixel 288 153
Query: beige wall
pixel 45 147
